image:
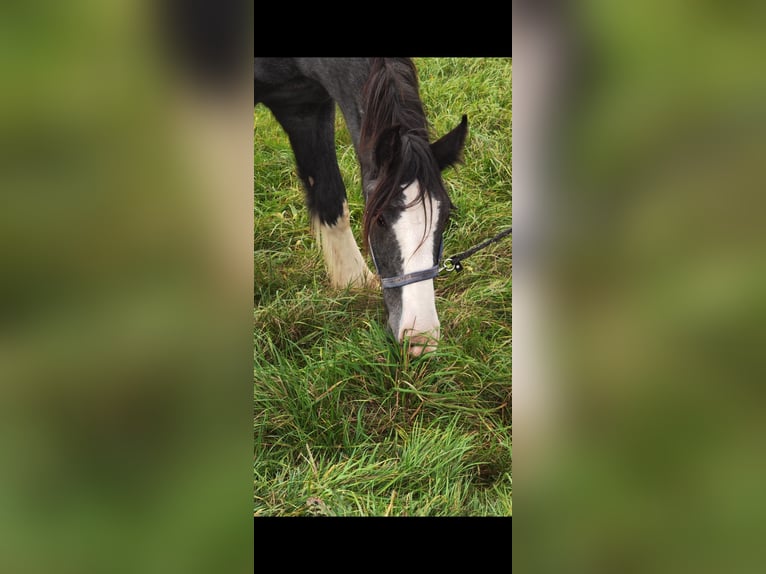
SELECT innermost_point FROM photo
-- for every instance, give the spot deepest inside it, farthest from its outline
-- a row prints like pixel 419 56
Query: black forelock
pixel 392 99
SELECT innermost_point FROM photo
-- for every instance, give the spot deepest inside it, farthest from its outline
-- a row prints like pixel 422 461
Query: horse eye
pixel 380 221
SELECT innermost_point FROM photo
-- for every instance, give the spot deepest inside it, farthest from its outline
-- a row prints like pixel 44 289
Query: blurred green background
pixel 125 327
pixel 648 455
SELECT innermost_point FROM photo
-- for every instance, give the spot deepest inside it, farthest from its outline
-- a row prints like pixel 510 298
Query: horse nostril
pixel 418 350
pixel 420 343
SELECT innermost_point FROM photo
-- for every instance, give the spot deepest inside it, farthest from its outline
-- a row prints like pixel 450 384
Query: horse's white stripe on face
pixel 344 261
pixel 414 231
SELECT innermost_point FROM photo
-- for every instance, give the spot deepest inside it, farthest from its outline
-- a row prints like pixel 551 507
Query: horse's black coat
pixel 301 93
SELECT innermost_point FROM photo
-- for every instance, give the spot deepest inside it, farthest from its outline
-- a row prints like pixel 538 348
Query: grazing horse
pixel 406 203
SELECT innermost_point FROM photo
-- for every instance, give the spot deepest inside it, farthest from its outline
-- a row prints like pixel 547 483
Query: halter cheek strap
pixel 407 278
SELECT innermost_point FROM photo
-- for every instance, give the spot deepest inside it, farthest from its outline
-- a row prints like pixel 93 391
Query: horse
pixel 406 204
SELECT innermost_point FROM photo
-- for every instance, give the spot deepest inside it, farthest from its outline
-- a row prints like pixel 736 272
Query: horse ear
pixel 388 146
pixel 448 150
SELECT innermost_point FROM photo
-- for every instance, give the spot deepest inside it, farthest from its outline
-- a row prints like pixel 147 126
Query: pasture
pixel 345 422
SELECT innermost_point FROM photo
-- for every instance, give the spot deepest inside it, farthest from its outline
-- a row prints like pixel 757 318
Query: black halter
pixel 407 278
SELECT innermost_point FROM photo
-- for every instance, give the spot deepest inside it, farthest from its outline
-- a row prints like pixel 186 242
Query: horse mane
pixel 392 101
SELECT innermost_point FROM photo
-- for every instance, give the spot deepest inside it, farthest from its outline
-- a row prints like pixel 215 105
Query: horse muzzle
pixel 420 343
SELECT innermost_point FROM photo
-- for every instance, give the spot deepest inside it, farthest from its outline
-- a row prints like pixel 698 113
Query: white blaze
pixel 414 230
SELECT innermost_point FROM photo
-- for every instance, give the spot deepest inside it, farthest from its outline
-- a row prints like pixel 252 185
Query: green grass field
pixel 345 423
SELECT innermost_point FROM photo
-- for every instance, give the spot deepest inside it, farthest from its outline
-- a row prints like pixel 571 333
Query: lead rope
pixel 453 263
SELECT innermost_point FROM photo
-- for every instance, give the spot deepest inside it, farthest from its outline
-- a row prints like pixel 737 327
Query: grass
pixel 345 422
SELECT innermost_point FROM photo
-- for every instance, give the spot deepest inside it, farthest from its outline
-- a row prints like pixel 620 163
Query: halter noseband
pixel 407 278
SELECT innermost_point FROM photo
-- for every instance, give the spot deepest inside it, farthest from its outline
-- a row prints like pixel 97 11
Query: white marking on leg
pixel 344 262
pixel 419 320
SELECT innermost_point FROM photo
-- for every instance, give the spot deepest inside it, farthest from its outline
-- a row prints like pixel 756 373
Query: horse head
pixel 407 211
